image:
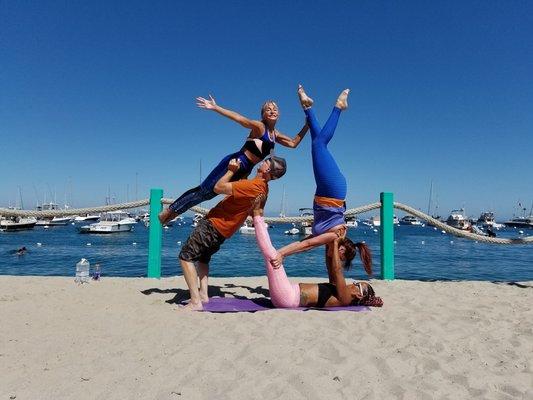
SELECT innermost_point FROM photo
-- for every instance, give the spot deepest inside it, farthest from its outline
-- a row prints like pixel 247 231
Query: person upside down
pixel 336 293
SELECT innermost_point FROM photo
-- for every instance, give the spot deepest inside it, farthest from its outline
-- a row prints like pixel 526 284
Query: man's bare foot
pixel 204 298
pixel 191 307
pixel 342 101
pixel 305 100
pixel 166 215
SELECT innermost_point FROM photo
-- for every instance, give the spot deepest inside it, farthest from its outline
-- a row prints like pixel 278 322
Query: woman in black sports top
pixel 258 145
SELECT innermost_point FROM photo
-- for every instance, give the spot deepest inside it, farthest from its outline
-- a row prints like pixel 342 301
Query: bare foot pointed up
pixel 342 100
pixel 305 100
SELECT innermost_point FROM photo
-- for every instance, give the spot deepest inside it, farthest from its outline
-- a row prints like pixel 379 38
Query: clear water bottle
pixel 82 271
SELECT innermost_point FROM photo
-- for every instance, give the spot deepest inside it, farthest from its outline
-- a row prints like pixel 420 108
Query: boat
pixel 197 217
pixel 410 220
pixel 458 220
pixel 486 219
pixel 351 222
pixel 87 218
pixel 247 228
pixel 305 227
pixel 520 222
pixel 376 220
pixel 60 220
pixel 293 231
pixel 17 223
pixel 111 222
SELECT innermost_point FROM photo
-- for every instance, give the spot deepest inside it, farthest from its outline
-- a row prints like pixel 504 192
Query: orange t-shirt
pixel 228 215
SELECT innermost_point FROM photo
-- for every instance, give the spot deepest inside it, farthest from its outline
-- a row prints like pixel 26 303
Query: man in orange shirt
pixel 222 222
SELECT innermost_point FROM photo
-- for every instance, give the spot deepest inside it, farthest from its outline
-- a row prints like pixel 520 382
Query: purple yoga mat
pixel 231 304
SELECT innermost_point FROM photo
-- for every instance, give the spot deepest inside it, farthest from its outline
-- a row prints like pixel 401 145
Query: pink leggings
pixel 282 293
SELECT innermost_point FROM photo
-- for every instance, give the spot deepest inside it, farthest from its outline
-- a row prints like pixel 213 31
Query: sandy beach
pixel 123 338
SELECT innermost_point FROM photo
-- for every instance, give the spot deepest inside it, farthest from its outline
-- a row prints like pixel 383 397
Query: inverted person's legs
pixel 330 182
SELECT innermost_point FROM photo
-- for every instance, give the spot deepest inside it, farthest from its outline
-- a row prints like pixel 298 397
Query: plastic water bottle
pixel 82 271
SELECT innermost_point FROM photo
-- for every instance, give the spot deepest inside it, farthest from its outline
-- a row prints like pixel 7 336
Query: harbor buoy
pixel 178 242
pixel 443 232
pixel 375 230
pixel 46 227
pixel 39 244
pixel 423 242
pixel 134 243
pixel 520 232
pixel 451 241
pixel 88 244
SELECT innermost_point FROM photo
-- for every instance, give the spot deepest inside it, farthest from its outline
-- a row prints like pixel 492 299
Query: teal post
pixel 156 234
pixel 387 236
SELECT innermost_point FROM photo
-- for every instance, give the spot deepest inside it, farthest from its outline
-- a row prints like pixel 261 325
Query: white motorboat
pixel 458 220
pixel 87 218
pixel 111 222
pixel 17 223
pixel 486 219
pixel 410 220
pixel 376 220
pixel 61 220
pixel 305 227
pixel 351 222
pixel 293 231
pixel 247 228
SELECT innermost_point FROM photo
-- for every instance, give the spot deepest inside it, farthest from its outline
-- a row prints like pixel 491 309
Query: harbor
pixel 421 252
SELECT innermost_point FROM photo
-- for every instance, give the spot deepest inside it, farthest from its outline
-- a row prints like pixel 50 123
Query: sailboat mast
pixel 430 195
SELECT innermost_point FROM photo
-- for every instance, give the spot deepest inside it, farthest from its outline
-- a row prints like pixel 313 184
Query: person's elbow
pixel 345 300
pixel 222 188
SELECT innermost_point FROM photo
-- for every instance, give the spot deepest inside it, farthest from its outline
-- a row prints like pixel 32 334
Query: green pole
pixel 387 236
pixel 156 234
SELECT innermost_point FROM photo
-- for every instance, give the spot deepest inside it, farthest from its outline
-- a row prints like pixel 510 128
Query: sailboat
pixel 435 213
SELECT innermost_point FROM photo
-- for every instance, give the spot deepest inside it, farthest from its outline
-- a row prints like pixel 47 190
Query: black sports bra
pixel 266 146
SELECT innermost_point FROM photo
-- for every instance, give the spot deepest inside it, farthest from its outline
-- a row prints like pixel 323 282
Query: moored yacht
pixel 520 222
pixel 410 220
pixel 458 220
pixel 87 218
pixel 111 222
pixel 351 222
pixel 486 219
pixel 305 227
pixel 17 223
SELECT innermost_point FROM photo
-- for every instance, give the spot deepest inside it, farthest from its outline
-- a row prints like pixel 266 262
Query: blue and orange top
pixel 328 213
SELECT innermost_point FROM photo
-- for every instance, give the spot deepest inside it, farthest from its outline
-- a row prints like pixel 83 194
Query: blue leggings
pixel 330 182
pixel 204 192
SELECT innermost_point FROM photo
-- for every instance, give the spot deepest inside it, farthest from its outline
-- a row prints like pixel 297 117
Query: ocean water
pixel 421 253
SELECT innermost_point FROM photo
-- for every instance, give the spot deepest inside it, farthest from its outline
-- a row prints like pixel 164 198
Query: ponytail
pixel 366 257
pixel 351 250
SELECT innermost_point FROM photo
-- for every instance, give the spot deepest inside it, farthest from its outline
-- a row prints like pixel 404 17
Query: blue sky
pixel 96 96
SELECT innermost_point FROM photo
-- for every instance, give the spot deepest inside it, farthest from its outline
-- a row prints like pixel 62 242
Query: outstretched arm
pixel 292 142
pixel 257 127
